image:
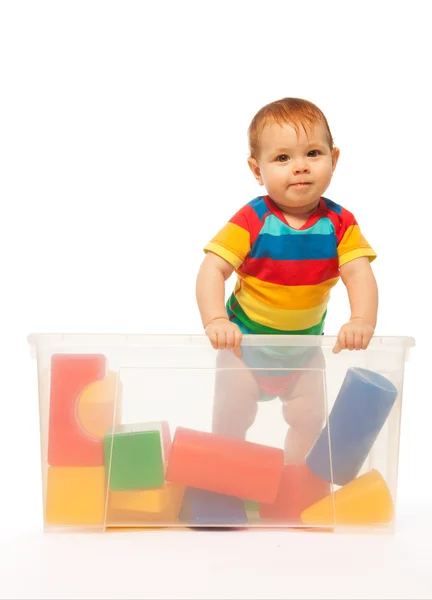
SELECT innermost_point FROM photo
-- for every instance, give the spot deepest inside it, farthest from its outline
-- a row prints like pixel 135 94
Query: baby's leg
pixel 303 408
pixel 236 396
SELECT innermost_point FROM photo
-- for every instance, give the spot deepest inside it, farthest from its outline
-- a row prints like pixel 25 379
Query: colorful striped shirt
pixel 284 275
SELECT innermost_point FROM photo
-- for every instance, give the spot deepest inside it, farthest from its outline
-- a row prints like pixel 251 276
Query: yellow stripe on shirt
pixel 279 318
pixel 294 297
pixel 232 241
pixel 224 253
pixel 358 253
pixel 353 241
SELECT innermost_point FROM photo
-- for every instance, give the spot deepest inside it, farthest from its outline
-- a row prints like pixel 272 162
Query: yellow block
pixel 148 501
pixel 127 519
pixel 364 501
pixel 96 403
pixel 75 496
pixel 124 518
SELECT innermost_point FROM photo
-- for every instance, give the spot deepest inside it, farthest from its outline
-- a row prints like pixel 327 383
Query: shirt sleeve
pixel 351 242
pixel 233 241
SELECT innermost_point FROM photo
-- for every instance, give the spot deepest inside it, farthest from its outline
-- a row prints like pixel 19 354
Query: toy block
pixel 75 496
pixel 135 456
pixel 96 408
pixel 129 519
pixel 150 501
pixel 364 501
pixel 251 506
pixel 252 509
pixel 201 507
pixel 299 488
pixel 72 442
pixel 225 465
pixel 358 415
pixel 165 512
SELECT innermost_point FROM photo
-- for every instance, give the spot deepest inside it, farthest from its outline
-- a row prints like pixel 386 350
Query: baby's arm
pixel 210 294
pixel 362 290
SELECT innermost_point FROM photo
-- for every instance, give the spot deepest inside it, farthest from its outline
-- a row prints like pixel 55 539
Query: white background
pixel 122 151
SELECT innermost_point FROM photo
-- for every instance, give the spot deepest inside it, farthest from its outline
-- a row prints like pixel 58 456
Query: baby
pixel 288 249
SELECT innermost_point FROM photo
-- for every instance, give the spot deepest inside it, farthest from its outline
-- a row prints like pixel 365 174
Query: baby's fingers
pixel 341 343
pixel 349 340
pixel 222 341
pixel 237 341
pixel 366 339
pixel 213 337
pixel 358 340
pixel 230 340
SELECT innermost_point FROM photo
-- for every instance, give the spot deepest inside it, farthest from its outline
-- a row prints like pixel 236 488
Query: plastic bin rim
pixel 186 340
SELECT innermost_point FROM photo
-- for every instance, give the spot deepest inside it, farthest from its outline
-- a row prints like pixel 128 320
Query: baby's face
pixel 296 170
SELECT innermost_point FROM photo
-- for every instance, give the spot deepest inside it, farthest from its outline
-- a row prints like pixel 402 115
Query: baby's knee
pixel 301 414
pixel 233 417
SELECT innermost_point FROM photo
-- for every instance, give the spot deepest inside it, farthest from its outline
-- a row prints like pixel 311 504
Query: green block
pixel 251 506
pixel 252 509
pixel 137 461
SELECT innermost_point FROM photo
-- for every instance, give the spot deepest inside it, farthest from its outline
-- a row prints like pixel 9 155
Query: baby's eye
pixel 314 153
pixel 282 158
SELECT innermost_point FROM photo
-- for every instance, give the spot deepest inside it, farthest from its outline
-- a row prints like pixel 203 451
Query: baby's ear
pixel 335 157
pixel 254 167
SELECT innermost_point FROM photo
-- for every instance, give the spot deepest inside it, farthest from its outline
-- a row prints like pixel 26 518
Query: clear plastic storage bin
pixel 164 431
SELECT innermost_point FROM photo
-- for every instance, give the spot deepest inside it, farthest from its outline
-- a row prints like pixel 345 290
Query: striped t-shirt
pixel 284 275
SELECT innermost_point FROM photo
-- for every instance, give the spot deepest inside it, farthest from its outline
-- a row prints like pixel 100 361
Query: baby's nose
pixel 300 166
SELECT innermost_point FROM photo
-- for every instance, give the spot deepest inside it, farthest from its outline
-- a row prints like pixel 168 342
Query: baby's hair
pixel 293 111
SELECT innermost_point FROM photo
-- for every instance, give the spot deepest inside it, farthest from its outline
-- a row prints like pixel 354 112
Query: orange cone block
pixel 364 501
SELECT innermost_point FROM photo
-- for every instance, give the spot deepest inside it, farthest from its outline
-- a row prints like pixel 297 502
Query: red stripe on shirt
pixel 341 222
pixel 291 272
pixel 247 218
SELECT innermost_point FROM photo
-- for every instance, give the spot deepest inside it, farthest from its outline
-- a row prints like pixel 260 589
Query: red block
pixel 68 444
pixel 228 466
pixel 299 489
pixel 166 441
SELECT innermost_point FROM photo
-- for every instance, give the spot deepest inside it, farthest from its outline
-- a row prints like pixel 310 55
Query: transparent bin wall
pixel 151 431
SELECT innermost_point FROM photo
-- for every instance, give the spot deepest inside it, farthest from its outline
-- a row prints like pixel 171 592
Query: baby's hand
pixel 354 335
pixel 223 334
